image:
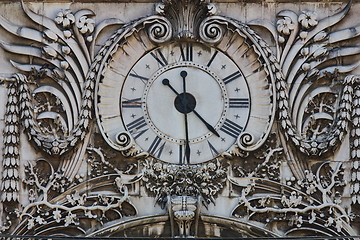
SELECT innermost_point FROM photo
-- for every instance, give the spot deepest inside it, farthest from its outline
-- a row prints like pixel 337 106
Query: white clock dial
pixel 185 103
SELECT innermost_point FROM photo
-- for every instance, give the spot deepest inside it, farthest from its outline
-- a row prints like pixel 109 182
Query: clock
pixel 184 101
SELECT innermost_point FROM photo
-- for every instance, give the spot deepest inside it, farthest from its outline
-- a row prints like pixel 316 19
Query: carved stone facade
pixel 268 143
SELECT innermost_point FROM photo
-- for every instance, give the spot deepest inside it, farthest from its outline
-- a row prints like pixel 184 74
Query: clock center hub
pixel 185 103
pixel 180 89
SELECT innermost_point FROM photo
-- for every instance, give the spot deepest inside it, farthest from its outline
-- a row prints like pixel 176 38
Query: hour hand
pixel 166 82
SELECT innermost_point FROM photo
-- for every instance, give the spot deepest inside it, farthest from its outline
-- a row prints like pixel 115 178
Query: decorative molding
pixel 205 180
pixel 292 171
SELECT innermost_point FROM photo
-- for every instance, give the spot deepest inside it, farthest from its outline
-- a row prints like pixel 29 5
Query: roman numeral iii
pixel 239 103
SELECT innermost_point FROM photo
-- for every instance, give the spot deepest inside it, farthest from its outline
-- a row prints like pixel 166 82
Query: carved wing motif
pixel 318 98
pixel 316 62
pixel 53 94
pixel 56 86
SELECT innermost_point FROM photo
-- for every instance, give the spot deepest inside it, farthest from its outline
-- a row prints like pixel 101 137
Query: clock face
pixel 185 102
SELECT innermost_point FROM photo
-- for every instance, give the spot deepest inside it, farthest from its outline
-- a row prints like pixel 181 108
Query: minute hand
pixel 211 129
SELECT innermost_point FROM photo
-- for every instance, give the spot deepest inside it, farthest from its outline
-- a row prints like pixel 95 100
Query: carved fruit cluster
pixel 204 180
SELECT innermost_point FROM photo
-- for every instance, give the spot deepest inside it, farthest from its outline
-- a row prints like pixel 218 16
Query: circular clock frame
pixel 238 43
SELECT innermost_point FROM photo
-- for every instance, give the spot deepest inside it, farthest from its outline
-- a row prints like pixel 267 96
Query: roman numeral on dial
pixel 231 128
pixel 132 103
pixel 232 77
pixel 159 57
pixel 239 103
pixel 137 127
pixel 213 150
pixel 137 124
pixel 186 52
pixel 181 154
pixel 156 147
pixel 212 58
pixel 135 75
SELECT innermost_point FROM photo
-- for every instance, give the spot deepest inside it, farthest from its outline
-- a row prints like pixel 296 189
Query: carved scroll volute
pixel 185 15
pixel 159 29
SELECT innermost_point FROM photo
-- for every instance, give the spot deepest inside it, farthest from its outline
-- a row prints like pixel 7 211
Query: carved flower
pixel 311 189
pixel 308 19
pixel 69 219
pixel 32 195
pixel 211 166
pixel 57 215
pixel 285 26
pixel 40 220
pixel 157 166
pixel 65 17
pixel 89 214
pixel 31 223
pixel 85 25
pixel 329 222
pixel 338 224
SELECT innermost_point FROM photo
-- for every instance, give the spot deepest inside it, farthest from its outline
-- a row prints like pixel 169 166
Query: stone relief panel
pixel 180 119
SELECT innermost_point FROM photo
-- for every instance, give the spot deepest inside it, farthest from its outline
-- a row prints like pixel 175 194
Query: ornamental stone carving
pixel 180 119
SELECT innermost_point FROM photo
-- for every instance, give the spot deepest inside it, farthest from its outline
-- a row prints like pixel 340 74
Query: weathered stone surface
pixel 180 118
